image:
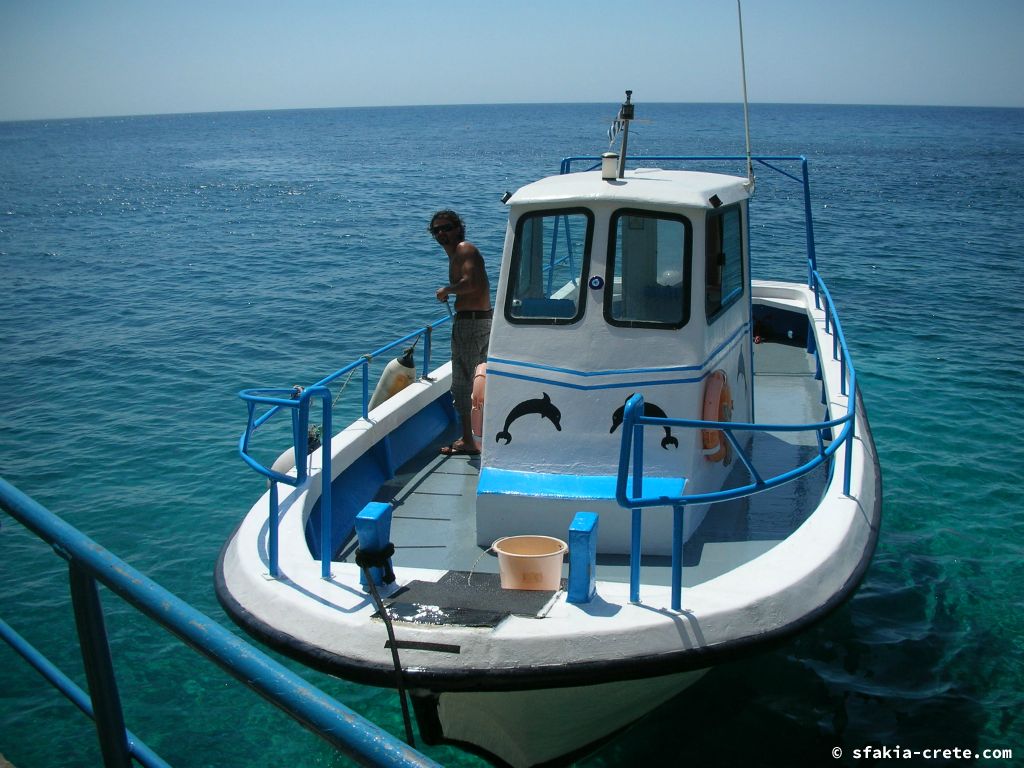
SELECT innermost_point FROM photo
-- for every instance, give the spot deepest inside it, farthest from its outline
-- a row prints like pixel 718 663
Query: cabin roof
pixel 644 186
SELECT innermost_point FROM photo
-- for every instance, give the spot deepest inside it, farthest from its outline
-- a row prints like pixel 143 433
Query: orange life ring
pixel 717 407
pixel 476 415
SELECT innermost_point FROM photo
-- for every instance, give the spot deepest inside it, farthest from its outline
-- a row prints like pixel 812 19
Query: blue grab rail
pixel 763 160
pixel 629 482
pixel 630 455
pixel 296 401
pixel 426 333
pixel 89 564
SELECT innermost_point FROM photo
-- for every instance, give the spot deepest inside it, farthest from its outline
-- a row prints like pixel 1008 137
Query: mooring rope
pixel 367 560
pixel 342 390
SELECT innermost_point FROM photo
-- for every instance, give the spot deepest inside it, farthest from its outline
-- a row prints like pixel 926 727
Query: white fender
pixel 397 375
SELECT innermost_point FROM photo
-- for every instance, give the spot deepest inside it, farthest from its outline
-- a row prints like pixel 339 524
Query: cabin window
pixel 724 260
pixel 550 255
pixel 648 270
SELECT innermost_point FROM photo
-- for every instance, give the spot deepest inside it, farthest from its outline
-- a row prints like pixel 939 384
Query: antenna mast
pixel 625 115
pixel 746 113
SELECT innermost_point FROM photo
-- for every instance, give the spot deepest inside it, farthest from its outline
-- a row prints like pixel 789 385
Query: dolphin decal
pixel 540 406
pixel 650 409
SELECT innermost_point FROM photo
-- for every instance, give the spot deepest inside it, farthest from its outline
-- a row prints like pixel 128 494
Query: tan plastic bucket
pixel 530 562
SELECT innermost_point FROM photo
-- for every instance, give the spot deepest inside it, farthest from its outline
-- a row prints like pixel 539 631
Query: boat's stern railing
pixel 296 401
pixel 629 483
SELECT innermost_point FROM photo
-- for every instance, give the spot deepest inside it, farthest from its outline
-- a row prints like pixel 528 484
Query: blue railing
pixel 629 482
pixel 766 161
pixel 89 565
pixel 296 401
pixel 425 333
pixel 569 258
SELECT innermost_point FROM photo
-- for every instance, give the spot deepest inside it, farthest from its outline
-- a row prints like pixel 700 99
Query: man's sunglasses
pixel 435 231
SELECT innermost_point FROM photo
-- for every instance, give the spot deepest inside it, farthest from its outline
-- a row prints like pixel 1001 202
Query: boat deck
pixel 434 522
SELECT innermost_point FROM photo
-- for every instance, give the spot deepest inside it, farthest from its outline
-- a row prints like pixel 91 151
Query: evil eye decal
pixel 596 282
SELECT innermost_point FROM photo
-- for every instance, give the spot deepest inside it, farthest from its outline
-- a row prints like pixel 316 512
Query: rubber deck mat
pixel 465 599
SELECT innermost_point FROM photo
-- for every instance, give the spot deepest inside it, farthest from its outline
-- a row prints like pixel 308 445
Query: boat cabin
pixel 611 287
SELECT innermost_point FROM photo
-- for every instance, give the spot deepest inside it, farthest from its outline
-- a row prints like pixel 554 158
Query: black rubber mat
pixel 463 598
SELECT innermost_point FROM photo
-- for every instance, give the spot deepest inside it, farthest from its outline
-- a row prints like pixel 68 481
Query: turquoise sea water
pixel 151 267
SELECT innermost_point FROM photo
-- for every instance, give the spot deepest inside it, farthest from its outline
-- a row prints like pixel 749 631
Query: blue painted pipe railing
pixel 296 401
pixel 364 361
pixel 629 453
pixel 569 258
pixel 629 482
pixel 53 675
pixel 89 564
pixel 765 161
pixel 298 404
pixel 632 437
pixel 841 353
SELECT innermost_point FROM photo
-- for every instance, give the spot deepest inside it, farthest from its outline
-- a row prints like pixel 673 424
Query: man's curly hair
pixel 451 216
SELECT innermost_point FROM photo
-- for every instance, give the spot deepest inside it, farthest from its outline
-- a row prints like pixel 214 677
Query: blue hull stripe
pixel 589 387
pixel 730 342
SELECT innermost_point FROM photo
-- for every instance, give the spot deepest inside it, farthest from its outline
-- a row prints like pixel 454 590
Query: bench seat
pixel 511 482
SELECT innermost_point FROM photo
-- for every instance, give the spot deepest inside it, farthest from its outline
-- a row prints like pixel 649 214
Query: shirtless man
pixel 471 329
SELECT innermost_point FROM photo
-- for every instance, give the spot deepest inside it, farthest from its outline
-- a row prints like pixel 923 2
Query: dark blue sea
pixel 151 267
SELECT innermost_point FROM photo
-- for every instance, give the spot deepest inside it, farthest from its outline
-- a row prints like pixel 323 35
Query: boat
pixel 676 470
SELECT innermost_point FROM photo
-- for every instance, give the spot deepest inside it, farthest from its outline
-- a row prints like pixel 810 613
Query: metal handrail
pixel 840 353
pixel 296 400
pixel 89 564
pixel 365 360
pixel 631 453
pixel 762 160
pixel 629 487
pixel 137 748
pixel 298 403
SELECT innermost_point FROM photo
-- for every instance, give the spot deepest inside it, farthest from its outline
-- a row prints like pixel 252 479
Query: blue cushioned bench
pixel 511 482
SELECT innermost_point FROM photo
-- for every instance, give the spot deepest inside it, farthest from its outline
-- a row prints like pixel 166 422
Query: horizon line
pixel 186 113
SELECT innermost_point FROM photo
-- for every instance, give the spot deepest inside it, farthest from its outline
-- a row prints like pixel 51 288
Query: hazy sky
pixel 72 58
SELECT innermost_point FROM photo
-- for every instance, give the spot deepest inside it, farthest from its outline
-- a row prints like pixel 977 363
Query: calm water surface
pixel 152 267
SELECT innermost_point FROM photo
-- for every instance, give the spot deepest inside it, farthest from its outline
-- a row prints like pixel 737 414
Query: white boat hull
pixel 526 728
